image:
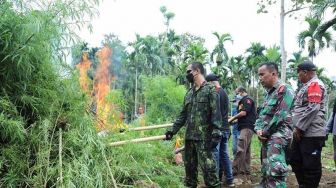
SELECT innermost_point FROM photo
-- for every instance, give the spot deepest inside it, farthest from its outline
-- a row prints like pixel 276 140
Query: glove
pixel 215 138
pixel 297 134
pixel 169 135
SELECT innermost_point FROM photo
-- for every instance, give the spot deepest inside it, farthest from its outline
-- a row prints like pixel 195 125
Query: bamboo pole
pixel 150 127
pixel 60 157
pixel 114 183
pixel 138 140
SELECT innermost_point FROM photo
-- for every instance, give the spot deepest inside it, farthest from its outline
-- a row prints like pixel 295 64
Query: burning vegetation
pixel 108 116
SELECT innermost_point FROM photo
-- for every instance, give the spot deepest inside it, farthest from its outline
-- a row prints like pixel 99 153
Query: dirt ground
pixel 328 180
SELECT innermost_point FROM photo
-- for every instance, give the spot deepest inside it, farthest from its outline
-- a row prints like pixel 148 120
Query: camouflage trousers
pixel 274 167
pixel 199 153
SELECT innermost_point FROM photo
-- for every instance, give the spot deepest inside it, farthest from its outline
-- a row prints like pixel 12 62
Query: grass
pixel 151 164
pixel 144 164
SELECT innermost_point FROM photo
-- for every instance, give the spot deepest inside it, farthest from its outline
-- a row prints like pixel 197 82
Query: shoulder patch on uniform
pixel 281 89
pixel 314 93
pixel 249 101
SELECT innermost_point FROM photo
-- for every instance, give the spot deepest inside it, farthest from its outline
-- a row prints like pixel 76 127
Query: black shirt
pixel 247 104
pixel 224 107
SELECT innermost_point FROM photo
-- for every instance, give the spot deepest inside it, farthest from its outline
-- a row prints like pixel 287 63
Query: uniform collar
pixel 311 80
pixel 203 84
pixel 275 87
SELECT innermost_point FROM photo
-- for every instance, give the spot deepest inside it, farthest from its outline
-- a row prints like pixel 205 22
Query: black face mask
pixel 190 77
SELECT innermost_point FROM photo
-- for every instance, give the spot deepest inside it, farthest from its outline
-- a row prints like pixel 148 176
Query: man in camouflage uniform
pixel 201 115
pixel 274 126
pixel 309 127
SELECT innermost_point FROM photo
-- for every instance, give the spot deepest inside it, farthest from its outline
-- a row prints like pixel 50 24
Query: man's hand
pixel 260 136
pixel 230 120
pixel 297 134
pixel 216 136
pixel 169 135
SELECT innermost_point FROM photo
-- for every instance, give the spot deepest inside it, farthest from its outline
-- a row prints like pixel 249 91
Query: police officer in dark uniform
pixel 309 127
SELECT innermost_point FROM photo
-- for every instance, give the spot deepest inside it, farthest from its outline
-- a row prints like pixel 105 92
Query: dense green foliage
pixel 43 119
pixel 164 99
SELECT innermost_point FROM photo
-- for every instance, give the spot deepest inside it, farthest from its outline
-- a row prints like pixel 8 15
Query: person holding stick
pixel 201 115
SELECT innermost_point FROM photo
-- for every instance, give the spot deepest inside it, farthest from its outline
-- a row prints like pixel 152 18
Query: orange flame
pixel 102 87
pixel 83 68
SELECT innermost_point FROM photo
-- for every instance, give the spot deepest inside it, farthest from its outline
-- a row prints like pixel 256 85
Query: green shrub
pixel 164 99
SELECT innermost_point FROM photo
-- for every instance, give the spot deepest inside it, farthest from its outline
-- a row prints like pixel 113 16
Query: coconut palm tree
pixel 316 40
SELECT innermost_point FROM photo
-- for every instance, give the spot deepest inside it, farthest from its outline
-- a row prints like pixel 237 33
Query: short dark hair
pixel 198 65
pixel 211 77
pixel 241 89
pixel 271 66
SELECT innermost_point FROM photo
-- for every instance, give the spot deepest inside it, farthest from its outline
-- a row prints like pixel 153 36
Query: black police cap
pixel 307 65
pixel 211 77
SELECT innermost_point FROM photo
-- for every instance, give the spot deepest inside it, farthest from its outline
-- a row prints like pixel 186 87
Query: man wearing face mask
pixel 246 118
pixel 201 115
pixel 309 122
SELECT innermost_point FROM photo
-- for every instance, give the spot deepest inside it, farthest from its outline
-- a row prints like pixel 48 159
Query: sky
pixel 125 18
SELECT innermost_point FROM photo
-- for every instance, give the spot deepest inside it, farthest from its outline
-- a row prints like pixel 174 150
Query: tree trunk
pixel 282 42
pixel 136 90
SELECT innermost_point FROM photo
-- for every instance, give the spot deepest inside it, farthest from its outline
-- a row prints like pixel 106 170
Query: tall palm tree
pixel 170 50
pixel 297 59
pixel 238 68
pixel 255 57
pixel 196 52
pixel 219 51
pixel 167 15
pixel 273 54
pixel 316 40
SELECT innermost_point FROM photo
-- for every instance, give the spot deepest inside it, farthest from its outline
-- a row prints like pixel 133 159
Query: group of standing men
pixel 285 123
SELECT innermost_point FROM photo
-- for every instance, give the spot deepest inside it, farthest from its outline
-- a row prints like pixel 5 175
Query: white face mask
pixel 238 96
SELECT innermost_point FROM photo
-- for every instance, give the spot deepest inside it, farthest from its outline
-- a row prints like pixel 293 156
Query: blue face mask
pixel 238 97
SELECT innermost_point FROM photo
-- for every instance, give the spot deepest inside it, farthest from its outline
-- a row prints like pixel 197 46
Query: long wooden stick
pixel 60 157
pixel 145 139
pixel 150 127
